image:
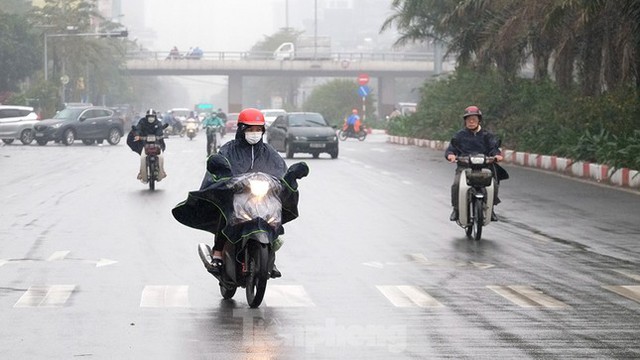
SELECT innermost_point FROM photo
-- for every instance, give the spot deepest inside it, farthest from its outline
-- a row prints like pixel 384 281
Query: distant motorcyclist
pixel 211 123
pixel 222 115
pixel 352 121
pixel 473 139
pixel 149 125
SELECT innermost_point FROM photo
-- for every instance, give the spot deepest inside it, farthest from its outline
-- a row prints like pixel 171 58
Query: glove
pixel 298 170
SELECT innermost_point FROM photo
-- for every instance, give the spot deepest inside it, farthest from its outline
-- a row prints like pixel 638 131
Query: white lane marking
pixel 105 262
pixel 3 261
pixel 422 260
pixel 379 150
pixel 407 182
pixel 58 255
pixel 45 296
pixel 157 296
pixel 375 264
pixel 629 291
pixel 408 296
pixel 619 271
pixel 527 296
pixel 287 296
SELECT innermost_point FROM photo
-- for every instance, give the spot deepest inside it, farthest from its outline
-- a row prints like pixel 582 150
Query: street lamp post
pixel 121 33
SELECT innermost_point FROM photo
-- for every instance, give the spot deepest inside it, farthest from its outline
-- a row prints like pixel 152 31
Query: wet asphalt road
pixel 93 265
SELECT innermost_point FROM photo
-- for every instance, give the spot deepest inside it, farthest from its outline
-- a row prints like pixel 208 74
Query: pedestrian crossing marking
pixel 628 274
pixel 45 296
pixel 408 296
pixel 58 255
pixel 527 296
pixel 159 296
pixel 287 296
pixel 629 291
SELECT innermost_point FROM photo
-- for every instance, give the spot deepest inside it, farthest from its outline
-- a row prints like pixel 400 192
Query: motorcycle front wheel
pixel 151 168
pixel 257 258
pixel 227 293
pixel 362 135
pixel 342 135
pixel 478 219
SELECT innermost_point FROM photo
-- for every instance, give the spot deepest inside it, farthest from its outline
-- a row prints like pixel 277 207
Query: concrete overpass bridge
pixel 384 67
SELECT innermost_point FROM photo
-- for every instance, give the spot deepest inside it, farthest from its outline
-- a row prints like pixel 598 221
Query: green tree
pixel 262 89
pixel 20 55
pixel 335 100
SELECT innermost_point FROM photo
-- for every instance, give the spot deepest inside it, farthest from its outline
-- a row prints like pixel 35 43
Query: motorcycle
pixel 152 149
pixel 192 129
pixel 345 133
pixel 214 133
pixel 172 130
pixel 252 230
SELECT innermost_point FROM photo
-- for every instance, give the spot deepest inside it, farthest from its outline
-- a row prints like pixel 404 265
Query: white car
pixel 16 122
pixel 270 115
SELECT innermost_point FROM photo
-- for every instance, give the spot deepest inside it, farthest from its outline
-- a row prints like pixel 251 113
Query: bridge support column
pixel 235 93
pixel 386 96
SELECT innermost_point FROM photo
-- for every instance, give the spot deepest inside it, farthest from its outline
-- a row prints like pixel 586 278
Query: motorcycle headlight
pixel 477 160
pixel 259 188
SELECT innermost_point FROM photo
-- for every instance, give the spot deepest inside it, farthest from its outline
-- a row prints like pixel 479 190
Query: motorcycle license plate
pixel 151 138
pixel 317 145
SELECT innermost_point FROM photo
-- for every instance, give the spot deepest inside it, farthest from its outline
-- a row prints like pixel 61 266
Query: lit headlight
pixel 477 160
pixel 259 188
pixel 334 138
pixel 301 138
pixel 55 126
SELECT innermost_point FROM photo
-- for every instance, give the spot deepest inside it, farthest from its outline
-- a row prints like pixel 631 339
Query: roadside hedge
pixel 530 116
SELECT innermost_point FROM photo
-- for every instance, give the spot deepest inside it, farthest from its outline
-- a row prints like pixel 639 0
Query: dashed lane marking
pixel 45 296
pixel 287 296
pixel 408 296
pixel 160 296
pixel 527 296
pixel 628 274
pixel 629 291
pixel 58 255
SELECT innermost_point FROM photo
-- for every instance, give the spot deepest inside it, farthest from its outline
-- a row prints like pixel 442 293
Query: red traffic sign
pixel 363 79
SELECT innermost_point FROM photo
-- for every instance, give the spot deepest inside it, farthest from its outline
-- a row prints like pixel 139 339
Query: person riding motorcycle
pixel 149 125
pixel 244 154
pixel 212 121
pixel 352 122
pixel 473 139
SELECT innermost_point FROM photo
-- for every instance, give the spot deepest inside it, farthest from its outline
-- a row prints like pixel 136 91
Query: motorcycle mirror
pixel 166 125
pixel 299 170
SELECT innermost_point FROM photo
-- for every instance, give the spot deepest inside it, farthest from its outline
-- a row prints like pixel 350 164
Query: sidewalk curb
pixel 622 177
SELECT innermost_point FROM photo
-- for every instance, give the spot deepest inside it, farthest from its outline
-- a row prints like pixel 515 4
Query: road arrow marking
pixel 105 262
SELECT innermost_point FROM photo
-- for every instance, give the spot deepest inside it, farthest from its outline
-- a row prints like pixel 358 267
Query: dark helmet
pixel 472 110
pixel 151 112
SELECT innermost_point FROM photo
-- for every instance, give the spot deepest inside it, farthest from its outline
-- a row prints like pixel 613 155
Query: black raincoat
pixel 208 208
pixel 145 128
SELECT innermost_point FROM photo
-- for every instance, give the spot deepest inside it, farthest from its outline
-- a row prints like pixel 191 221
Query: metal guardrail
pixel 267 55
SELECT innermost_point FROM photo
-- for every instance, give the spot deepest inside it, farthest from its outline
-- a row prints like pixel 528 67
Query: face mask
pixel 151 119
pixel 253 137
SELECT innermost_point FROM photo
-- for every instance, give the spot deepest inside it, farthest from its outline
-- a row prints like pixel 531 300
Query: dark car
pixel 303 132
pixel 89 124
pixel 231 125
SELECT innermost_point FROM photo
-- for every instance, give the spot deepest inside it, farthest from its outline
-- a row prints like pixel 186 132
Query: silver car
pixel 16 122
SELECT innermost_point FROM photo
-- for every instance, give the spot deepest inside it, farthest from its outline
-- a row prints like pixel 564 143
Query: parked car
pixel 16 122
pixel 303 132
pixel 89 124
pixel 231 125
pixel 270 115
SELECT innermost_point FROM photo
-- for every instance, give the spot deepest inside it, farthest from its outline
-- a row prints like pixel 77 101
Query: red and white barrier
pixel 597 172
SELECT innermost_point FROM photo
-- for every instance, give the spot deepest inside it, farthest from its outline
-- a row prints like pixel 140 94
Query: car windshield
pixel 310 120
pixel 68 114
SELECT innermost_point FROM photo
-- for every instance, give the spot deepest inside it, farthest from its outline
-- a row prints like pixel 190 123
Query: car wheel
pixel 288 150
pixel 334 154
pixel 7 141
pixel 27 136
pixel 42 142
pixel 68 137
pixel 315 155
pixel 114 136
pixel 88 141
pixel 100 141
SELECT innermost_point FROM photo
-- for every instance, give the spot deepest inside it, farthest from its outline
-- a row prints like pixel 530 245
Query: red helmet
pixel 472 110
pixel 251 117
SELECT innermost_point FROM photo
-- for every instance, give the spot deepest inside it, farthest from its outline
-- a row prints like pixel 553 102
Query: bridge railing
pixel 267 55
